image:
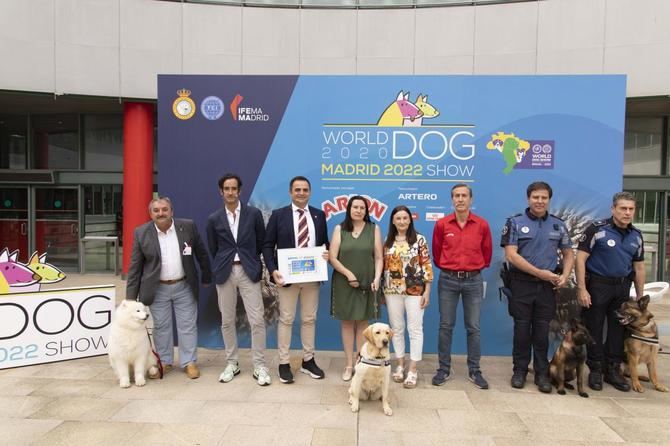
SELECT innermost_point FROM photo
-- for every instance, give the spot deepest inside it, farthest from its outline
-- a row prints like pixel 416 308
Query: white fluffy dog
pixel 373 370
pixel 129 344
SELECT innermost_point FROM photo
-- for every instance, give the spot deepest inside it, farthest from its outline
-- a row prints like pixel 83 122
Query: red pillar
pixel 138 154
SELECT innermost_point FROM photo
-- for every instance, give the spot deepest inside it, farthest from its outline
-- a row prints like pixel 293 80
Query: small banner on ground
pixel 55 325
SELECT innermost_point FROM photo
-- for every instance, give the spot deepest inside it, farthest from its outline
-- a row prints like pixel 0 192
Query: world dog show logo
pixel 405 144
pixel 518 153
pixel 248 113
pixel 183 107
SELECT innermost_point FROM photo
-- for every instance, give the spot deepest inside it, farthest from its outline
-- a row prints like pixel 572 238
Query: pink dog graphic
pixel 14 274
pixel 398 111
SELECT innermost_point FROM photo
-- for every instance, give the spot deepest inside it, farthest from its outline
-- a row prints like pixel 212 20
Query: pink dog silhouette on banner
pixel 17 277
pixel 398 111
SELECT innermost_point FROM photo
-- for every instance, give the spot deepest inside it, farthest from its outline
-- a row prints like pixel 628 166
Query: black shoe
pixel 518 380
pixel 542 382
pixel 614 378
pixel 285 374
pixel 478 379
pixel 596 380
pixel 441 377
pixel 310 368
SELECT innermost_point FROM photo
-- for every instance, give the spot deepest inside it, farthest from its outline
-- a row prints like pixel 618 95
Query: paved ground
pixel 78 402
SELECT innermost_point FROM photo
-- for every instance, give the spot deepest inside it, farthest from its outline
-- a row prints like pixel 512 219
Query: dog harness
pixel 650 341
pixel 377 362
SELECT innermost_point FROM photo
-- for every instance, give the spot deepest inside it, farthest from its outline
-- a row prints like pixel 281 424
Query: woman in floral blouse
pixel 407 277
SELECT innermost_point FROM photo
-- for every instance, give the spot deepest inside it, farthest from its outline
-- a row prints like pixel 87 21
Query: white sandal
pixel 410 381
pixel 399 374
pixel 347 374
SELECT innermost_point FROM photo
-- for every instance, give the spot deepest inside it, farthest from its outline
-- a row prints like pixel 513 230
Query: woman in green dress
pixel 357 258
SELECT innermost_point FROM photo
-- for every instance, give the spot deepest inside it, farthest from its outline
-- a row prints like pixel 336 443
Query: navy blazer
pixel 223 247
pixel 280 233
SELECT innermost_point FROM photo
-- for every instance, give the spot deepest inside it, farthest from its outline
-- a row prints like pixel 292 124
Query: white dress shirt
pixel 310 226
pixel 171 267
pixel 234 223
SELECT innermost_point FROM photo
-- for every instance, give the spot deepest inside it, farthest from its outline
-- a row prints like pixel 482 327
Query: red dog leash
pixel 155 353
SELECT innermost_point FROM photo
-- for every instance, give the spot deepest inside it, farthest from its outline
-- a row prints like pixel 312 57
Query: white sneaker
pixel 262 375
pixel 229 372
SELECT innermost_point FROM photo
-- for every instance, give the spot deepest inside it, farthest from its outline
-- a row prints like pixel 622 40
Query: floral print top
pixel 407 268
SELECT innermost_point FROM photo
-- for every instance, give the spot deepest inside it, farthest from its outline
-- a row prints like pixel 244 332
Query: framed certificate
pixel 299 265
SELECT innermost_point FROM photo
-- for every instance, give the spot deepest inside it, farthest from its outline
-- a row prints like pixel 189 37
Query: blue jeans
pixel 449 291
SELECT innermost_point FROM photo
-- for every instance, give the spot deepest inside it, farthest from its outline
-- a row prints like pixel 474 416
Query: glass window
pixel 103 142
pixel 647 220
pixel 642 146
pixel 55 141
pixel 13 137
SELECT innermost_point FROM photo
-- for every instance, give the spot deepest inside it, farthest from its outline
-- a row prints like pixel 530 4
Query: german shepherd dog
pixel 641 342
pixel 570 358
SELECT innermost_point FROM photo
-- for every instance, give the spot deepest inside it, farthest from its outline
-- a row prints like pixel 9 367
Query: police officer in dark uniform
pixel 531 241
pixel 610 257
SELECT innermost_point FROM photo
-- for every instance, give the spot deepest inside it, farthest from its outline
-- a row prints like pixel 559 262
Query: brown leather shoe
pixel 192 370
pixel 166 369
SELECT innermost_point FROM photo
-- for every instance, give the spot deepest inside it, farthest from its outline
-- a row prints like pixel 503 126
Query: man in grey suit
pixel 235 236
pixel 162 275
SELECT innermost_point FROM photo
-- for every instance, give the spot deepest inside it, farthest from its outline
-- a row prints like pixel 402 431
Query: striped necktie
pixel 303 230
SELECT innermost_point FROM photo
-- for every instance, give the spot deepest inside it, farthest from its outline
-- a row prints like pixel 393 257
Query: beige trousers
pixel 253 305
pixel 309 303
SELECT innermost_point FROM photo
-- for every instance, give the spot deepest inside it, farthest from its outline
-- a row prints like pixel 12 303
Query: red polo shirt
pixel 462 249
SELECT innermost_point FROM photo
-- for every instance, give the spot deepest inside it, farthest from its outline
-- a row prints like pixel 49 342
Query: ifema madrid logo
pixel 247 113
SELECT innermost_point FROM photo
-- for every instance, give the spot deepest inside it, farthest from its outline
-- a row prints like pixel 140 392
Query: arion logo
pixel 246 113
pixel 338 205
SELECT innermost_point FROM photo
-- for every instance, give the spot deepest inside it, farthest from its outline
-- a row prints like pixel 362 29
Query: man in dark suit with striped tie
pixel 296 226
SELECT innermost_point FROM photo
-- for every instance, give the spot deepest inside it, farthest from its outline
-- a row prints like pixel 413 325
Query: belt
pixel 237 262
pixel 607 280
pixel 461 274
pixel 519 275
pixel 172 281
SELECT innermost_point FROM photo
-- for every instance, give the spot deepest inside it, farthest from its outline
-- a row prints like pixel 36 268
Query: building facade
pixel 76 72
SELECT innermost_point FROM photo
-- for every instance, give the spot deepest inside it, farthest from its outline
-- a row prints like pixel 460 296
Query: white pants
pixel 397 307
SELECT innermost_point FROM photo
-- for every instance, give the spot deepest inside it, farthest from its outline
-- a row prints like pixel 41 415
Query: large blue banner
pixel 396 140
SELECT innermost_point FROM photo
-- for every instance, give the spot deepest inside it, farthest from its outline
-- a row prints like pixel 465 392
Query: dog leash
pixel 155 353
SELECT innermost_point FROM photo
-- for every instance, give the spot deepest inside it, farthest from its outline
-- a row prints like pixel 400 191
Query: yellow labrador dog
pixel 373 370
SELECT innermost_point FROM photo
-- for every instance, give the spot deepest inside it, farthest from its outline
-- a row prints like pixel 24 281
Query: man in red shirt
pixel 461 249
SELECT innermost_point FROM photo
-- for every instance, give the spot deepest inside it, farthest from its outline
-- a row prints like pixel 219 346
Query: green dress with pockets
pixel 358 256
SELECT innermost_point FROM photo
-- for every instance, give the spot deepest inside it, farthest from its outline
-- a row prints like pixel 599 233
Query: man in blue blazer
pixel 296 226
pixel 235 236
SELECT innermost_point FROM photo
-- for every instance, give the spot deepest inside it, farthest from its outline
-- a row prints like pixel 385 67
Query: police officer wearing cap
pixel 610 256
pixel 531 241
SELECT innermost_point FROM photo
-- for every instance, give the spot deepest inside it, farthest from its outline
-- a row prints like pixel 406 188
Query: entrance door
pixel 57 226
pixel 14 220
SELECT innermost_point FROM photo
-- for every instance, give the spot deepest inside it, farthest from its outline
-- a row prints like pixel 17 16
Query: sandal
pixel 399 374
pixel 410 381
pixel 347 374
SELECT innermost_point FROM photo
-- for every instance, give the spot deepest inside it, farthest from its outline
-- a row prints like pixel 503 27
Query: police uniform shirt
pixel 538 238
pixel 612 249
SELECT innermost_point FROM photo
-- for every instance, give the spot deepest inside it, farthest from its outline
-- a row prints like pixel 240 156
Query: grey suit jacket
pixel 145 262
